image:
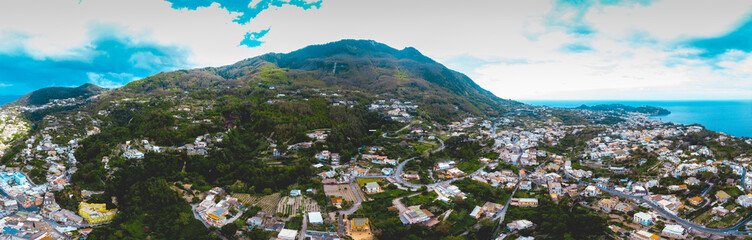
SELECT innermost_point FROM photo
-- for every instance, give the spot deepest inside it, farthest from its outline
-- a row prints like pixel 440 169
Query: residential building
pixel 287 234
pixel 722 196
pixel 643 218
pixel 695 201
pixel 744 200
pixel 526 185
pixel 255 221
pixel 519 225
pixel 720 211
pixel 524 202
pixel 643 235
pixel 591 191
pixel 623 207
pixel 96 212
pixel 359 224
pixel 608 204
pixel 373 188
pixel 415 215
pixel 674 231
pixel 477 211
pixel 315 218
pixel 295 193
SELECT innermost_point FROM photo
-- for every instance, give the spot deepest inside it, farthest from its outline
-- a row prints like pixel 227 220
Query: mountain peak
pixel 44 95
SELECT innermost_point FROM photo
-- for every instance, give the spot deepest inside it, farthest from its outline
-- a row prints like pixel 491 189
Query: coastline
pixel 728 116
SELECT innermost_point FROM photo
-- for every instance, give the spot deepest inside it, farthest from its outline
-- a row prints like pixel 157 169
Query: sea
pixel 8 98
pixel 733 117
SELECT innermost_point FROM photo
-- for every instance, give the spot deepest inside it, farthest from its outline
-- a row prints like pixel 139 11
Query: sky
pixel 532 49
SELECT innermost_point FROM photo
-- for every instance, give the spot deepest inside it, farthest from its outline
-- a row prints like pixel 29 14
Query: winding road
pixel 733 230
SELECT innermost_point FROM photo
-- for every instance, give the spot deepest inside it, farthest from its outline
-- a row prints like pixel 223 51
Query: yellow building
pixel 360 224
pixel 96 212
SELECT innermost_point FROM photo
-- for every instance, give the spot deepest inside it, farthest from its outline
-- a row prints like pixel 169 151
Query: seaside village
pixel 29 210
pixel 642 208
pixel 607 175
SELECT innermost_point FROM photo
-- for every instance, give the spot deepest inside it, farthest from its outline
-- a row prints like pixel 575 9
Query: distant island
pixel 648 110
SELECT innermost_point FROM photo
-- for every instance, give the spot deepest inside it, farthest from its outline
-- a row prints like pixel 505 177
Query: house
pixel 692 181
pixel 623 207
pixel 591 191
pixel 674 231
pixel 415 215
pixel 607 204
pixel 337 201
pixel 695 201
pixel 677 187
pixel 524 202
pixel 722 196
pixel 720 211
pixel 295 193
pixel 95 212
pixel 744 200
pixel 643 235
pixel 287 234
pixel 526 185
pixel 477 211
pixel 643 218
pixel 519 225
pixel 373 188
pixel 491 209
pixel 359 224
pixel 315 218
pixel 255 221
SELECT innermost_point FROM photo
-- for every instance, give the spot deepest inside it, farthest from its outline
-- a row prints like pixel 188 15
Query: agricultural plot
pixel 288 206
pixel 267 203
pixel 246 198
pixel 340 190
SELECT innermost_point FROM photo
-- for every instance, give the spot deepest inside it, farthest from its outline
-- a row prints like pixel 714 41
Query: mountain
pixel 649 110
pixel 348 65
pixel 44 95
pixel 251 111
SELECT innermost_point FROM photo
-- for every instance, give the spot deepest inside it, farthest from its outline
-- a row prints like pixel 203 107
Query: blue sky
pixel 533 49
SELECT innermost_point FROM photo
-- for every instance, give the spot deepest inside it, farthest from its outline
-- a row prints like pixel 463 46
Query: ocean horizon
pixel 8 98
pixel 733 117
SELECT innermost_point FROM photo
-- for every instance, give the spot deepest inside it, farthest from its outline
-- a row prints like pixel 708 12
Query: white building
pixel 643 218
pixel 287 234
pixel 744 200
pixel 674 231
pixel 315 218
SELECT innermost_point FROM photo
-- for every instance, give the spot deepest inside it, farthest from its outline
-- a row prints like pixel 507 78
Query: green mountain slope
pixel 44 95
pixel 253 106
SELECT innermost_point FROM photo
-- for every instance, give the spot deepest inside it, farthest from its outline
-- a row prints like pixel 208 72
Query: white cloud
pixel 670 19
pixel 489 30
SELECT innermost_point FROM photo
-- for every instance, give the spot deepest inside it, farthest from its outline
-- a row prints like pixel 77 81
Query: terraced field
pixel 267 203
pixel 340 190
pixel 290 205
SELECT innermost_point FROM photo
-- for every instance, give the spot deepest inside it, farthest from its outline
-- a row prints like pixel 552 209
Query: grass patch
pixel 295 223
pixel 362 181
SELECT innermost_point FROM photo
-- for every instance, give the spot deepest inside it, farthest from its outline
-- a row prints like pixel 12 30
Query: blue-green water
pixel 731 117
pixel 8 98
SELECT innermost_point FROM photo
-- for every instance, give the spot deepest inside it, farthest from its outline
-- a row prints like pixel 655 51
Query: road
pixel 730 230
pixel 54 226
pixel 504 210
pixel 440 148
pixel 358 202
pixel 397 202
pixel 400 130
pixel 304 227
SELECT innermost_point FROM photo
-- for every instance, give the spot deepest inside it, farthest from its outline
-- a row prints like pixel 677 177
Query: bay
pixel 733 117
